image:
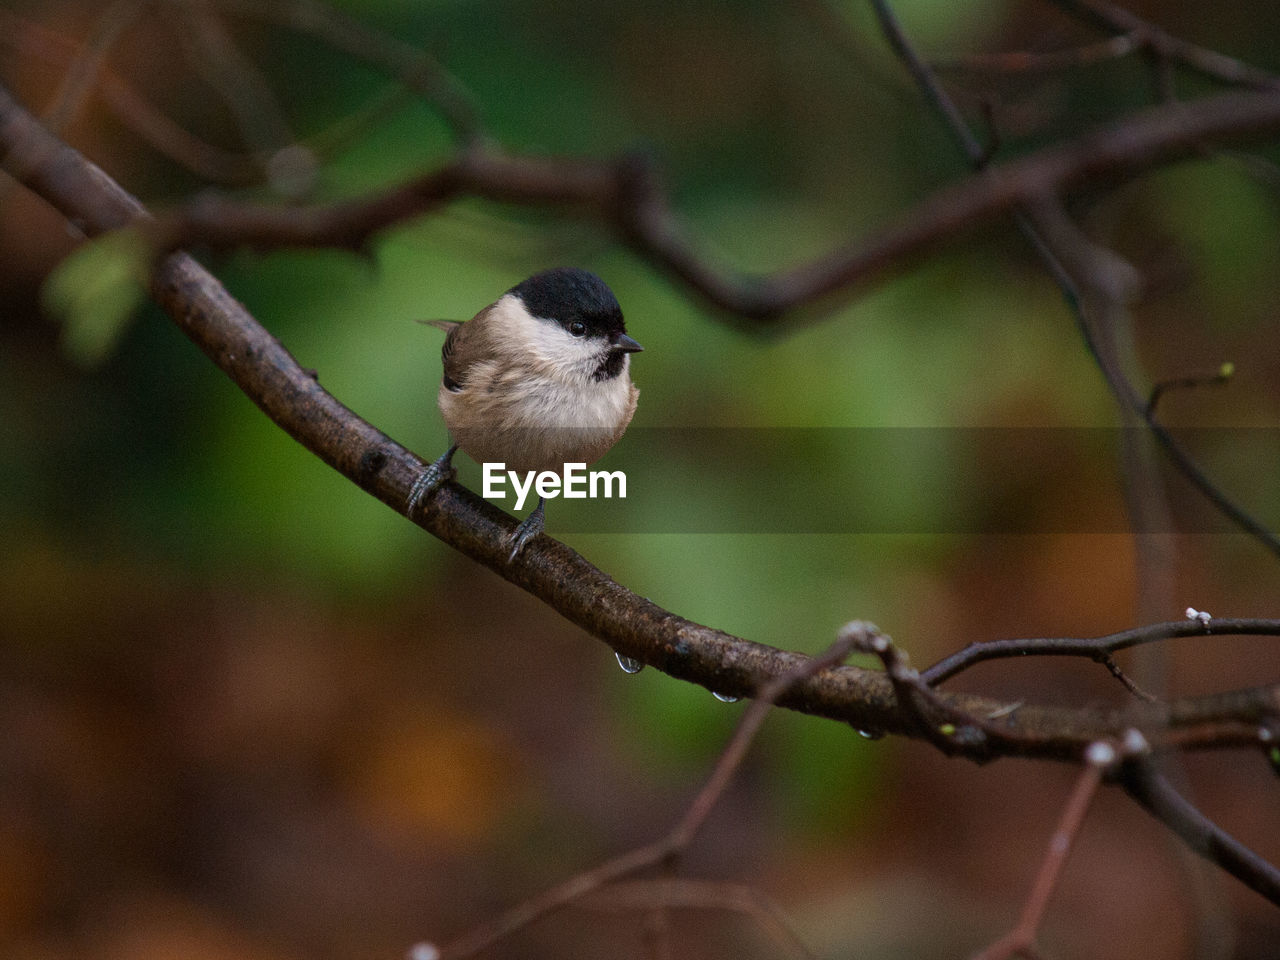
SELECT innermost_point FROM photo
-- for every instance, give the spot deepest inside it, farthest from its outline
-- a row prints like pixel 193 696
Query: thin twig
pixel 689 894
pixel 672 846
pixel 1209 63
pixel 1152 790
pixel 1021 939
pixel 402 61
pixel 1040 218
pixel 1219 378
pixel 953 120
pixel 1125 680
pixel 1042 61
pixel 82 75
pixel 293 397
pixel 938 721
pixel 627 196
pixel 242 88
pixel 1095 647
pixel 749 726
pixel 211 163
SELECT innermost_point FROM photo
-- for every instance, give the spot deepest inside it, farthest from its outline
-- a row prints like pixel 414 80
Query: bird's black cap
pixel 567 295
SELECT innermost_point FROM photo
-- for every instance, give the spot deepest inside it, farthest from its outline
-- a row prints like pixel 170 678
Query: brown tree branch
pixel 1041 61
pixel 1095 648
pixel 292 396
pixel 1021 939
pixel 1091 283
pixel 666 851
pixel 236 80
pixel 402 61
pixel 632 625
pixel 1209 63
pixel 702 895
pixel 1153 791
pixel 627 196
pixel 1080 272
pixel 27 38
pixel 83 71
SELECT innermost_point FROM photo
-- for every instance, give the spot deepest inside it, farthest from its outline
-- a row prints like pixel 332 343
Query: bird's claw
pixel 528 529
pixel 439 472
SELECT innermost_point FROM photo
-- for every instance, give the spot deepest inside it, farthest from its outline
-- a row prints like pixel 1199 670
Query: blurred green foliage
pixel 94 294
pixel 778 145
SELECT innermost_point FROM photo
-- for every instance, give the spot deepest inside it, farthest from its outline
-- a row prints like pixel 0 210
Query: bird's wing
pixel 450 327
pixel 455 371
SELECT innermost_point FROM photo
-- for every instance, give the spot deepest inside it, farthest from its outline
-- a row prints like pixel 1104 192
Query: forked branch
pixel 293 397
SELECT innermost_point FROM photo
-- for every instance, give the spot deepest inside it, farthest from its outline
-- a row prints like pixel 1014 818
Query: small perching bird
pixel 539 379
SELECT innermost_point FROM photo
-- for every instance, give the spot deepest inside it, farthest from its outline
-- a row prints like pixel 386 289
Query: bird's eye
pixel 577 328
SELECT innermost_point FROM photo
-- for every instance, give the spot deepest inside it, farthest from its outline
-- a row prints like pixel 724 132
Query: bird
pixel 537 379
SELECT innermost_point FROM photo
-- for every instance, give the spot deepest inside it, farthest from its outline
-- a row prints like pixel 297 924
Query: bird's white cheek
pixel 567 357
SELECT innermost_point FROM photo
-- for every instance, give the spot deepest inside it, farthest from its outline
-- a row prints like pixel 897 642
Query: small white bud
pixel 1100 754
pixel 1134 742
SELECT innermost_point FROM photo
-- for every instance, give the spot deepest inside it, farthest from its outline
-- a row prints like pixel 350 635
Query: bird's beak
pixel 626 344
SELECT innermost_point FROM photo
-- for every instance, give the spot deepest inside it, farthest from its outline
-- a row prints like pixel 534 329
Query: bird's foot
pixel 530 528
pixel 430 479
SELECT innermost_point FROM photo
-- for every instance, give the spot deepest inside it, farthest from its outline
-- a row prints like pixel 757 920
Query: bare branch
pixel 632 625
pixel 1061 246
pixel 292 396
pixel 664 852
pixel 1107 283
pixel 138 114
pixel 1220 377
pixel 1126 681
pixel 1209 63
pixel 1043 61
pixel 401 61
pixel 626 195
pixel 1095 648
pixel 1021 939
pixel 953 121
pixel 234 77
pixel 83 72
pixel 701 895
pixel 949 729
pixel 1143 782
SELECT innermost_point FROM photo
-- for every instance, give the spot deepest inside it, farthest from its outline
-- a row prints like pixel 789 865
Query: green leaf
pixel 94 292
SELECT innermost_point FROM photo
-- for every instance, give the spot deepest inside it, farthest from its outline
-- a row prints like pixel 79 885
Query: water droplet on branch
pixel 629 664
